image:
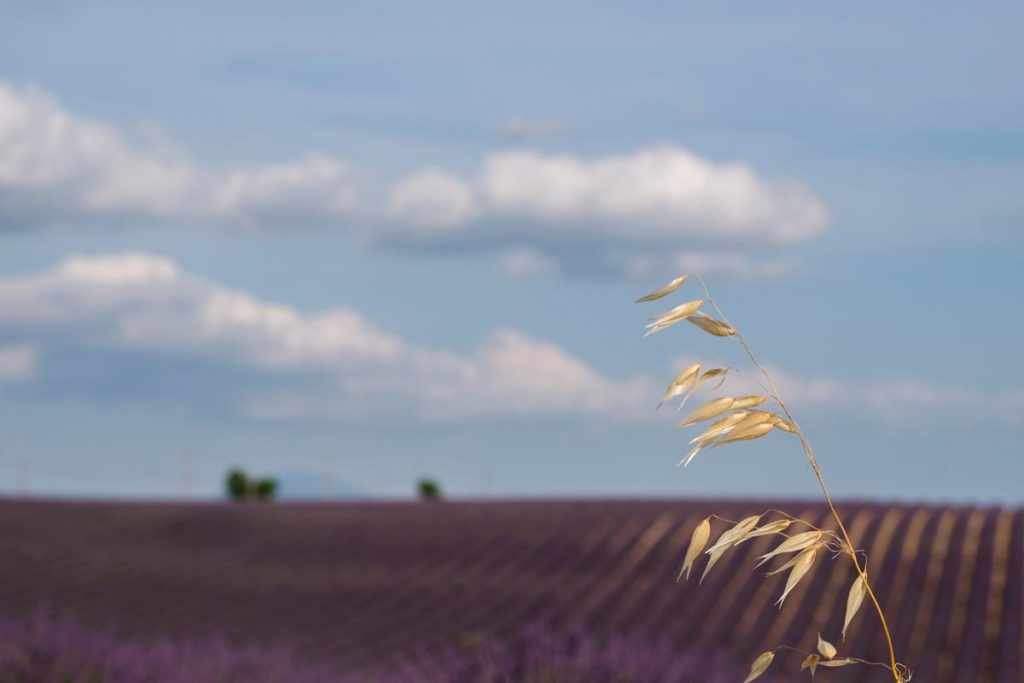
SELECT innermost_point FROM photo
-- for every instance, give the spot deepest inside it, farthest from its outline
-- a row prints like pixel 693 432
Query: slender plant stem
pixel 806 653
pixel 809 454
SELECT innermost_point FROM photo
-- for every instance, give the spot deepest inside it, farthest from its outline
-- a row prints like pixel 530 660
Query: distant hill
pixel 357 584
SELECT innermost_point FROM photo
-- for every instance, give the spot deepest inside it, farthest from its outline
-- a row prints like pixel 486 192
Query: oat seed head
pixel 775 527
pixel 748 401
pixel 736 534
pixel 664 291
pixel 853 601
pixel 811 662
pixel 803 564
pixel 698 540
pixel 794 543
pixel 760 665
pixel 734 421
pixel 827 649
pixel 835 663
pixel 709 410
pixel 681 383
pixel 712 326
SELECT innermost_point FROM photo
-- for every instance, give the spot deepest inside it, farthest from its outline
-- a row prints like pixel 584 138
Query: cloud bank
pixel 347 365
pixel 57 168
pixel 641 210
pixel 660 196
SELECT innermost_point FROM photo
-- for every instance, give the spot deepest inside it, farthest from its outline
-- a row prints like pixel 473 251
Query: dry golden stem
pixel 853 659
pixel 809 454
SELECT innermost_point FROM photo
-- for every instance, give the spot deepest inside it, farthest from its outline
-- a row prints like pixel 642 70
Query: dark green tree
pixel 266 489
pixel 237 484
pixel 428 489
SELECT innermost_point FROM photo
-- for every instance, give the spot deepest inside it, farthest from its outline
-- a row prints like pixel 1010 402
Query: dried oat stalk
pixel 732 419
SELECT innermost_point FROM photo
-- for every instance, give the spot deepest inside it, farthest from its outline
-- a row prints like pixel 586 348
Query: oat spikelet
pixel 728 540
pixel 794 543
pixel 802 565
pixel 739 426
pixel 712 408
pixel 784 424
pixel 697 543
pixel 720 427
pixel 835 663
pixel 760 665
pixel 703 379
pixel 742 427
pixel 711 374
pixel 748 401
pixel 678 312
pixel 827 649
pixel 712 561
pixel 853 601
pixel 735 534
pixel 712 326
pixel 810 663
pixel 753 417
pixel 768 529
pixel 681 383
pixel 664 291
pixel 788 565
pixel 690 456
pixel 667 319
pixel 754 431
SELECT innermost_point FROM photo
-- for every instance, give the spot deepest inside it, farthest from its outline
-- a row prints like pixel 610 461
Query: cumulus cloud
pixel 660 196
pixel 430 203
pixel 59 168
pixel 17 363
pixel 512 374
pixel 649 213
pixel 646 211
pixel 142 301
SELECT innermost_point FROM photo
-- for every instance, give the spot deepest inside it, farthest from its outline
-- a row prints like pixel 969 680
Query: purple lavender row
pixel 40 648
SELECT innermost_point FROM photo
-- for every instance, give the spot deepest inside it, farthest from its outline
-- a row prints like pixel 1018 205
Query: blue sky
pixel 380 240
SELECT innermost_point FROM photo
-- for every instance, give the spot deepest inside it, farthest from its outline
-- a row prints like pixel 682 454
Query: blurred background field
pixel 459 591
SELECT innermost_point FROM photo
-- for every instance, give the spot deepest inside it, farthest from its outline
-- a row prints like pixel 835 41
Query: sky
pixel 352 244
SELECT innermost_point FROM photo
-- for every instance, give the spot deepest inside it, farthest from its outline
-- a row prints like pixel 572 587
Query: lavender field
pixel 560 592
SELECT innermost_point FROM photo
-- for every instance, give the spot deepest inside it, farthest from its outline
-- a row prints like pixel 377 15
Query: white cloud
pixel 513 374
pixel 17 363
pixel 430 202
pixel 648 210
pixel 662 195
pixel 56 167
pixel 315 188
pixel 142 301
